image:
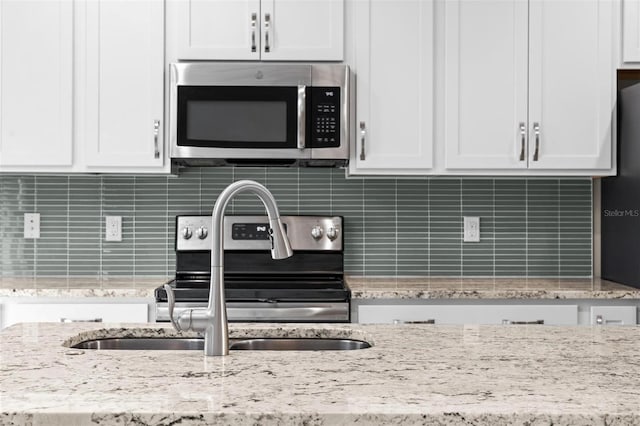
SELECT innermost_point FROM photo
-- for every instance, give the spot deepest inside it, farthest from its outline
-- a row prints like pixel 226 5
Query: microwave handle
pixel 302 116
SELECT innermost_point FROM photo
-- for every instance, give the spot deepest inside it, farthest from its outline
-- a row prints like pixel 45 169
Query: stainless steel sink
pixel 254 344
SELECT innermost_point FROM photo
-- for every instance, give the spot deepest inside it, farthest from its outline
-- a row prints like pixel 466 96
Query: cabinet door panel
pixel 394 67
pixel 302 30
pixel 125 62
pixel 486 84
pixel 571 89
pixel 218 29
pixel 631 31
pixel 36 83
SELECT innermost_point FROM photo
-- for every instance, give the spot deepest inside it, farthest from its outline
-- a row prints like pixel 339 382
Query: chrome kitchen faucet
pixel 213 320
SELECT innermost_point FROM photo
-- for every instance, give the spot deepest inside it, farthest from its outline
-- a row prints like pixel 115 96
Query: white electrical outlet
pixel 32 225
pixel 113 228
pixel 471 229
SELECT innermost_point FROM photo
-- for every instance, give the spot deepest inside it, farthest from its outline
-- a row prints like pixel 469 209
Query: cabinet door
pixel 394 51
pixel 302 30
pixel 124 83
pixel 218 29
pixel 631 31
pixel 36 83
pixel 486 84
pixel 14 313
pixel 572 83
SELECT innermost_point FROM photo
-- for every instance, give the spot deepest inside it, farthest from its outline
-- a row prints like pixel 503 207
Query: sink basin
pixel 255 344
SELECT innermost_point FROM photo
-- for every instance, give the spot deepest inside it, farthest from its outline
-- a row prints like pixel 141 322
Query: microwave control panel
pixel 325 117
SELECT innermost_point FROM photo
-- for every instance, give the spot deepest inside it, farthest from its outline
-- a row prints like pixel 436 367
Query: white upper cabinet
pixel 36 84
pixel 296 30
pixel 571 84
pixel 394 63
pixel 486 83
pixel 529 84
pixel 631 31
pixel 218 29
pixel 123 108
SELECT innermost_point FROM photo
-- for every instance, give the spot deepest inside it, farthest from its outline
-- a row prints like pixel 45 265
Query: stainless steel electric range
pixel 307 287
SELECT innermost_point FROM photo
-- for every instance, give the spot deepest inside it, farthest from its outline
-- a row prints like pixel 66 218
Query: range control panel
pixel 193 233
pixel 325 117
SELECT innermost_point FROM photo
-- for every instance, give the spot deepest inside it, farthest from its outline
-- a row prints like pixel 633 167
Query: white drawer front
pixel 14 313
pixel 469 314
pixel 614 315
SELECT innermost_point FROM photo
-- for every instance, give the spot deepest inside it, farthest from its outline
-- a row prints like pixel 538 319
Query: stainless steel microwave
pixel 259 114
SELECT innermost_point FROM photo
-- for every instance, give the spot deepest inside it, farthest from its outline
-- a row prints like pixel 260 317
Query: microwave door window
pixel 237 121
pixel 232 119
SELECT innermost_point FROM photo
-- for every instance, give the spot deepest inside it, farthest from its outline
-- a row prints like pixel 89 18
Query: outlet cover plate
pixel 113 228
pixel 32 225
pixel 471 229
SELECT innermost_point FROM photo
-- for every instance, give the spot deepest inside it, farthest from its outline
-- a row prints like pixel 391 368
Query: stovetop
pixel 314 273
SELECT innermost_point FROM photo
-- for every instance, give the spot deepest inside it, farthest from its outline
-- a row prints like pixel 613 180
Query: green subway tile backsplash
pixel 412 227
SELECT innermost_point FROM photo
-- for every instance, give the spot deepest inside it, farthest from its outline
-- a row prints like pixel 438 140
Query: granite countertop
pixel 80 286
pixel 488 288
pixel 414 374
pixel 361 288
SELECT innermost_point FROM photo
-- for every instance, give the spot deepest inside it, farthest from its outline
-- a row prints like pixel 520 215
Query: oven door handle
pixel 311 312
pixel 248 311
pixel 302 116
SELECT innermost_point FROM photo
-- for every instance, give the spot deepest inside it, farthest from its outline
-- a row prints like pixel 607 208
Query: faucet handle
pixel 171 298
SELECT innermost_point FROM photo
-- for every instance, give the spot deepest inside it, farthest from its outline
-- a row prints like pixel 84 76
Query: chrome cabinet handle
pixel 254 23
pixel 69 320
pixel 302 115
pixel 523 135
pixel 536 131
pixel 171 299
pixel 156 143
pixel 363 134
pixel 428 321
pixel 267 26
pixel 509 322
pixel 599 320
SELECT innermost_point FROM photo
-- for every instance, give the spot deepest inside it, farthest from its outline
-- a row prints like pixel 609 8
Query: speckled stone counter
pixel 414 374
pixel 361 288
pixel 488 288
pixel 80 286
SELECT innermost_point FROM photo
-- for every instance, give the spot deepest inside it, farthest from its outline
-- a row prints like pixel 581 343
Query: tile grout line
pixel 298 190
pixel 135 202
pixel 558 198
pixel 68 223
pixel 100 220
pixel 35 241
pixel 493 230
pixel 526 228
pixel 429 226
pixel 166 228
pixel 331 193
pixel 395 181
pixel 591 230
pixel 461 237
pixel 364 234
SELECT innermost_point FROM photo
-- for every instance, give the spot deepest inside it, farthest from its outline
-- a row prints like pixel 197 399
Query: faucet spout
pixel 213 320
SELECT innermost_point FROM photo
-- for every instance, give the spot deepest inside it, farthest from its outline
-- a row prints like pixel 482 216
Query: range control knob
pixel 186 233
pixel 202 232
pixel 332 233
pixel 316 232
